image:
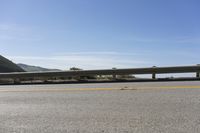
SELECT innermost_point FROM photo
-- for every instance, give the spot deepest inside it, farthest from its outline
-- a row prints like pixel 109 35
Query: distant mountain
pixel 30 68
pixel 8 66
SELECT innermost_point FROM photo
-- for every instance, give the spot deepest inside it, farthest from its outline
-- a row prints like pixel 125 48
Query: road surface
pixel 154 107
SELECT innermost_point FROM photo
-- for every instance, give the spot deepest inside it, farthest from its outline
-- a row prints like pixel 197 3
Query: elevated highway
pixel 114 72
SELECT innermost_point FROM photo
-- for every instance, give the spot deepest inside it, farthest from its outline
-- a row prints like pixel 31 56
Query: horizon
pixel 103 34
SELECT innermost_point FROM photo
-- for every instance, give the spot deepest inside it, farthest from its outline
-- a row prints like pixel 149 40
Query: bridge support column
pixel 153 76
pixel 198 74
pixel 16 81
pixel 114 77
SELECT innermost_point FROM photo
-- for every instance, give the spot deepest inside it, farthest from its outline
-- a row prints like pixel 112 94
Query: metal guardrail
pixel 114 72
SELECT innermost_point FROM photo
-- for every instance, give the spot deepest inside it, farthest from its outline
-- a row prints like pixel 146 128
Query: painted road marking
pixel 100 89
pixel 56 90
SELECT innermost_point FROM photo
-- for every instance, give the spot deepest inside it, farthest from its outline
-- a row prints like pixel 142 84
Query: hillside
pixel 8 66
pixel 30 68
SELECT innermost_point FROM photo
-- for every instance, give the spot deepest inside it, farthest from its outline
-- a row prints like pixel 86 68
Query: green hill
pixel 8 66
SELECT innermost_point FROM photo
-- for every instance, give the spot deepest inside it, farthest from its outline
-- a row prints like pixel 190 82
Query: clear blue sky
pixel 94 34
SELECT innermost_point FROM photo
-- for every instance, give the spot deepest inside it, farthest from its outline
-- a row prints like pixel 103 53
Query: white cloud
pixel 99 53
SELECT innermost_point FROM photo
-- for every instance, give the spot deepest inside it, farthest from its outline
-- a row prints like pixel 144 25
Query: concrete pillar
pixel 17 81
pixel 114 77
pixel 154 74
pixel 197 74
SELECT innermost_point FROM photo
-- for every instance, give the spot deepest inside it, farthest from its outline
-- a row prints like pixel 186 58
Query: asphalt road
pixel 159 107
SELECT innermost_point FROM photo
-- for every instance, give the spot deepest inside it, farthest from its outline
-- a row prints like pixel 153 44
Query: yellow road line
pixel 100 89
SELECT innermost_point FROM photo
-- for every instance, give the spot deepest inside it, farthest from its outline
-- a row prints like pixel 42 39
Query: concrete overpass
pixel 114 72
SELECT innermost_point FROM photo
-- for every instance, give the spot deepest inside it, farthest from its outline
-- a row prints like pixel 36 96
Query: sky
pixel 100 34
